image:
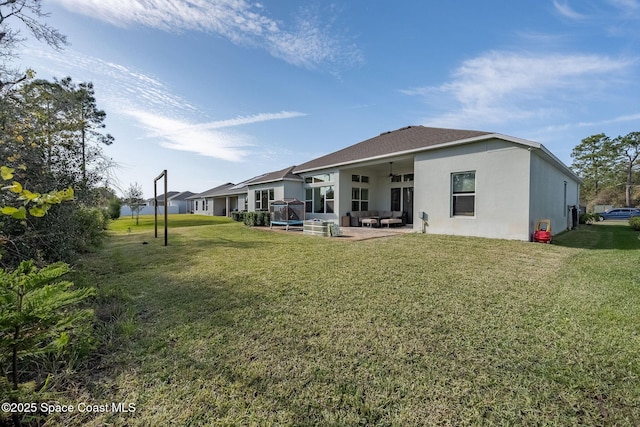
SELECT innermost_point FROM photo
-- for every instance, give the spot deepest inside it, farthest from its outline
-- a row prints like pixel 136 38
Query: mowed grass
pixel 147 222
pixel 230 325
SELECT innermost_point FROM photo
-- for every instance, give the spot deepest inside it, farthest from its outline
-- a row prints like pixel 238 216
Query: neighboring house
pixel 278 185
pixel 175 199
pixel 214 201
pixel 149 202
pixel 448 181
pixel 254 194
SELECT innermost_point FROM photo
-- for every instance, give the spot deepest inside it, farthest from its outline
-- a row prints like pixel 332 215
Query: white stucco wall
pixel 199 209
pixel 549 198
pixel 293 190
pixel 243 202
pixel 219 206
pixel 502 190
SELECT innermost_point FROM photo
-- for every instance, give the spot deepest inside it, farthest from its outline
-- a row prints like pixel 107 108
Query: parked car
pixel 619 213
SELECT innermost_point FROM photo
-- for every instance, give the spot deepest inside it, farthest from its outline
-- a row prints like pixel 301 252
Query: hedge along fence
pixel 252 219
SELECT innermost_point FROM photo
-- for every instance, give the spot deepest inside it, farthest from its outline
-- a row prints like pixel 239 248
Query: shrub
pixel 114 208
pixel 264 218
pixel 259 219
pixel 588 218
pixel 250 219
pixel 635 223
pixel 90 226
pixel 256 219
pixel 39 312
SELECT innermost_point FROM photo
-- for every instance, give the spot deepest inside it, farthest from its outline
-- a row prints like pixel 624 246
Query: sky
pixel 218 91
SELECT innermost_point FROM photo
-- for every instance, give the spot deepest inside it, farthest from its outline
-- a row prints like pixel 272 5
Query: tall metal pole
pixel 155 197
pixel 155 208
pixel 166 217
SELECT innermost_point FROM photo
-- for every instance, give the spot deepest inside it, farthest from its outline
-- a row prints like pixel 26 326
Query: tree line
pixel 53 199
pixel 610 170
pixel 51 139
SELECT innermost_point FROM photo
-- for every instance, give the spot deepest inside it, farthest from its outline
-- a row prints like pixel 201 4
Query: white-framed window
pixel 359 199
pixel 360 178
pixel 196 205
pixel 264 199
pixel 319 199
pixel 463 193
pixel 319 193
pixel 319 179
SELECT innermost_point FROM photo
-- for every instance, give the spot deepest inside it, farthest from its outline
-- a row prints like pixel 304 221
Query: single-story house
pixel 279 185
pixel 220 200
pixel 254 194
pixel 179 199
pixel 443 181
pixel 150 201
pixel 448 181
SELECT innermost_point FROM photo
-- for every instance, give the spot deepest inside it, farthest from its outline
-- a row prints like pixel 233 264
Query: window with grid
pixel 264 198
pixel 463 193
pixel 359 199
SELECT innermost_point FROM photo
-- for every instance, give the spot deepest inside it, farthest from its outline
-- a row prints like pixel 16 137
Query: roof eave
pixel 275 180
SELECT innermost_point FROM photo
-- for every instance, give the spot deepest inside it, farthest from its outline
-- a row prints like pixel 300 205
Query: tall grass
pixel 230 325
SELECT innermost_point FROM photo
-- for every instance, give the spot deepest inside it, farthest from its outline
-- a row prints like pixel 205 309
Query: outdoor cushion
pixel 370 221
pixel 358 216
pixel 389 221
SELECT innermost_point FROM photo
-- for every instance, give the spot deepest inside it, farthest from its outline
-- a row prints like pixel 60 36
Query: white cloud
pixel 498 87
pixel 118 86
pixel 244 120
pixel 626 5
pixel 562 7
pixel 183 136
pixel 620 119
pixel 308 44
pixel 167 117
pixel 204 138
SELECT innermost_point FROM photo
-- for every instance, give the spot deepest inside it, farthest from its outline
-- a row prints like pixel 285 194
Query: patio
pixel 356 233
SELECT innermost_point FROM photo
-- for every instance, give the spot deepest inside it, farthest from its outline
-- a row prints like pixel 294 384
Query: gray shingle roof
pixel 410 138
pixel 286 173
pixel 230 189
pixel 170 194
pixel 182 196
pixel 212 191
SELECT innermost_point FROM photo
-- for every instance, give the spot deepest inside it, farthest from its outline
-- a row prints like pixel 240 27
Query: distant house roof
pixel 230 189
pixel 170 194
pixel 212 191
pixel 408 139
pixel 281 175
pixel 182 195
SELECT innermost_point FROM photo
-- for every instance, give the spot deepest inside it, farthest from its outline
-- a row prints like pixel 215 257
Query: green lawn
pixel 146 222
pixel 230 325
